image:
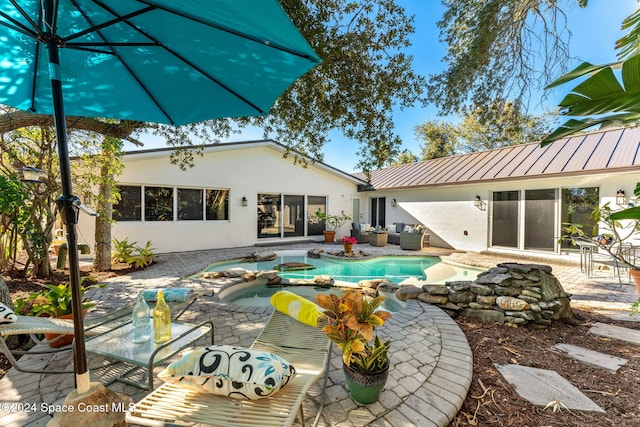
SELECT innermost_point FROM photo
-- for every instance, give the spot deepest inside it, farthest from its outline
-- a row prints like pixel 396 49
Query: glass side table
pixel 117 344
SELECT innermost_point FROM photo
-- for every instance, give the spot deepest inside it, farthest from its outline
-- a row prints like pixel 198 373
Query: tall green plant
pixel 12 198
pixel 603 96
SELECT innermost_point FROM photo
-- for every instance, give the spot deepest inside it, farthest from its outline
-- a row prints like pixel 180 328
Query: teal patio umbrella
pixel 165 61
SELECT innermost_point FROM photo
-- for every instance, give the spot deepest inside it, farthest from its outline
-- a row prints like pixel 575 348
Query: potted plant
pixel 348 242
pixel 52 301
pixel 331 223
pixel 352 319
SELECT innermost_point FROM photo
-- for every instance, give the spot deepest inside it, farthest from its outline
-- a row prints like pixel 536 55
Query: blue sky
pixel 594 31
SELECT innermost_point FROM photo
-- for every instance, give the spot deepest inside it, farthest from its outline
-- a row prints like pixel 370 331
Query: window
pixel 576 207
pixel 217 205
pixel 129 208
pixel 293 216
pixel 314 204
pixel 269 215
pixel 189 204
pixel 378 214
pixel 158 204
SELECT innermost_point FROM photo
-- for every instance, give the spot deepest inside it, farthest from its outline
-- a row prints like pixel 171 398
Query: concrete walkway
pixel 431 359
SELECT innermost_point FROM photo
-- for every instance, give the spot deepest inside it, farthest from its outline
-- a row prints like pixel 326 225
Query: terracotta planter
pixel 329 236
pixel 636 278
pixel 56 342
pixel 348 248
pixel 365 387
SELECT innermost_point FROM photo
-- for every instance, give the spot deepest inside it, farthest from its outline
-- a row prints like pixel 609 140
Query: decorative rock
pixel 511 292
pixel 212 274
pixel 494 279
pixel 372 284
pixel 323 281
pixel 436 289
pixel 525 268
pixel 488 316
pixel 530 293
pixel 515 320
pixel 530 300
pixel 262 256
pixel 463 285
pixel 432 299
pixel 526 315
pixel 408 292
pixel 481 289
pixel 235 272
pixel 462 297
pixel 480 306
pixel 387 286
pixel 314 253
pixel 249 276
pixel 486 299
pixel 268 274
pixel 513 304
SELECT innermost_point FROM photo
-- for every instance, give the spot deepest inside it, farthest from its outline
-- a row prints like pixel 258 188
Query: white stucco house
pixel 242 194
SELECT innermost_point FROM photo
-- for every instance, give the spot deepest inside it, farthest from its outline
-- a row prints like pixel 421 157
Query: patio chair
pixel 305 347
pixel 35 326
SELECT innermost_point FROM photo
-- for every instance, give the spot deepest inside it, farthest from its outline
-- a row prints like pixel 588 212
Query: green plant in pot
pixel 352 319
pixel 331 223
pixel 52 301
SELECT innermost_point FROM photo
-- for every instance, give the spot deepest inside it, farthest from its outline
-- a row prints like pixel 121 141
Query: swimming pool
pixel 257 294
pixel 393 268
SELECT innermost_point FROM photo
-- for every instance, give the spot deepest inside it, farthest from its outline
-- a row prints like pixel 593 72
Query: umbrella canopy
pixel 162 61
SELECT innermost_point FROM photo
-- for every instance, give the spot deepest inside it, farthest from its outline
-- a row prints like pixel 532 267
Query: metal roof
pixel 600 151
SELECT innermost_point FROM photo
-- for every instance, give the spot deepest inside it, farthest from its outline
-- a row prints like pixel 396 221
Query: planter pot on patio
pixel 329 236
pixel 63 340
pixel 636 278
pixel 365 387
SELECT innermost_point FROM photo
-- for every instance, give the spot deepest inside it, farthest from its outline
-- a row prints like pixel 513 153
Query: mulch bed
pixel 492 401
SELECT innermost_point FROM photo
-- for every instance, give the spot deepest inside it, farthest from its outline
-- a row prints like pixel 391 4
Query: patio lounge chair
pixel 305 347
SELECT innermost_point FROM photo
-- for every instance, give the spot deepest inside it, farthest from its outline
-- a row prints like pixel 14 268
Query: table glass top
pixel 118 343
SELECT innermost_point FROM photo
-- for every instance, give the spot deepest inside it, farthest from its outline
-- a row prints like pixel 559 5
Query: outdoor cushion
pixel 399 227
pixel 170 294
pixel 6 315
pixel 239 373
pixel 300 308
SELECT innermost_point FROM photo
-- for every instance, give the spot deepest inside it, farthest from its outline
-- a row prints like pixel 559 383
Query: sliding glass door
pixel 539 219
pixel 504 220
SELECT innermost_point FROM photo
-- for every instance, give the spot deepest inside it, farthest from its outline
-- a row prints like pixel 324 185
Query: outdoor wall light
pixel 244 201
pixel 394 203
pixel 31 174
pixel 621 198
pixel 478 203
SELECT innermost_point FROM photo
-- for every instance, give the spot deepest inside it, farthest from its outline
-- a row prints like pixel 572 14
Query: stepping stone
pixel 541 387
pixel 595 358
pixel 610 331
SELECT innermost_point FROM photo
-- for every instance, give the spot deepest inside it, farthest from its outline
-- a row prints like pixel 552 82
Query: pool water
pixel 395 269
pixel 259 295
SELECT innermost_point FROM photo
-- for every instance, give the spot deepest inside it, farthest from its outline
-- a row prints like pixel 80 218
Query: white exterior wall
pixel 245 171
pixel 449 211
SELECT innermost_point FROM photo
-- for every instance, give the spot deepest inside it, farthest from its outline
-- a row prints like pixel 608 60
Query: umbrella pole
pixel 68 211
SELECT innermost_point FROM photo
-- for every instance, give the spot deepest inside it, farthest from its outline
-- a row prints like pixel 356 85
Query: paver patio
pixel 431 358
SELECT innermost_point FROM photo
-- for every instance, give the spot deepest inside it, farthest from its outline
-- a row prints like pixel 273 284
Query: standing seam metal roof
pixel 607 150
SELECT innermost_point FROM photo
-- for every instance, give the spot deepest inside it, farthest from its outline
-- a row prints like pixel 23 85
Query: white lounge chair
pixel 306 348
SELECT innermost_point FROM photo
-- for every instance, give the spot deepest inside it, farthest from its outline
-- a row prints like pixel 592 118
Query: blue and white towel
pixel 170 294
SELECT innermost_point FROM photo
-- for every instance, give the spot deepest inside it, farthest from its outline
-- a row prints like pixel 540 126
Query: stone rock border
pixel 511 293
